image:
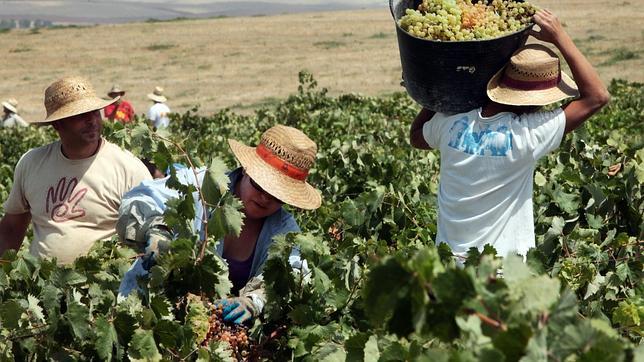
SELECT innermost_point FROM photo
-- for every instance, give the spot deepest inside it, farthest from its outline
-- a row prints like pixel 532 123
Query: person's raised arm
pixel 593 93
pixel 12 230
pixel 416 130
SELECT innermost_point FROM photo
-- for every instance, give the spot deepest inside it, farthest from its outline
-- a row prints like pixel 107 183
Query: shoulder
pixel 543 116
pixel 41 152
pixel 120 155
pixel 287 222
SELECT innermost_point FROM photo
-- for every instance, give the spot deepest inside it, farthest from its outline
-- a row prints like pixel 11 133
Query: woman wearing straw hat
pixel 63 188
pixel 11 117
pixel 488 155
pixel 158 113
pixel 272 174
pixel 119 110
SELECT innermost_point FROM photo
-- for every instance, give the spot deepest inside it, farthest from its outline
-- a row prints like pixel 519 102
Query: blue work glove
pixel 237 310
pixel 130 282
pixel 158 242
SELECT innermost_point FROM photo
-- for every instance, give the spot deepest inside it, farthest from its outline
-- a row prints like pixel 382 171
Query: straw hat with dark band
pixel 11 104
pixel 280 165
pixel 116 90
pixel 532 78
pixel 71 96
pixel 157 95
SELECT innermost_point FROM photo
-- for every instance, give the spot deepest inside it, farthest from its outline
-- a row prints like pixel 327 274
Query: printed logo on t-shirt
pixel 62 201
pixel 484 142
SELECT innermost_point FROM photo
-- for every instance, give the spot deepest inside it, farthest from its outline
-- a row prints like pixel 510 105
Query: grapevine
pixel 459 20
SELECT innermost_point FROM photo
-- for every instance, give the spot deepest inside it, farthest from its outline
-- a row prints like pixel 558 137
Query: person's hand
pixel 551 29
pixel 237 310
pixel 158 242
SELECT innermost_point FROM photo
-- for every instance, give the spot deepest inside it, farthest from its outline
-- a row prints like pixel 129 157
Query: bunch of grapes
pixel 458 20
pixel 234 334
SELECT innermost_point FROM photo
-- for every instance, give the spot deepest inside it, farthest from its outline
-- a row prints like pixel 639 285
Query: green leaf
pixel 330 352
pixel 371 352
pixel 226 220
pixel 533 294
pixel 34 309
pixel 10 312
pixel 77 316
pixel 106 338
pixel 539 179
pixel 628 313
pixel 215 182
pixel 142 347
pixel 537 348
pixel 65 277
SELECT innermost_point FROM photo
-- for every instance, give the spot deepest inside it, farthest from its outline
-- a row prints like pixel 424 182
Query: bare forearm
pixel 10 240
pixel 12 231
pixel 416 130
pixel 590 85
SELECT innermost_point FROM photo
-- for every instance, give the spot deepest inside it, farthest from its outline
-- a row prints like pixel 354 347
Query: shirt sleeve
pixel 545 131
pixel 432 130
pixel 17 202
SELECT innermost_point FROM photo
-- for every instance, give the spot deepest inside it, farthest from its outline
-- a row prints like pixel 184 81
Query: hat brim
pixel 9 107
pixel 78 107
pixel 290 191
pixel 157 98
pixel 503 94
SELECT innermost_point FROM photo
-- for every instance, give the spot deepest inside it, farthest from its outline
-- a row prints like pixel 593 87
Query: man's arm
pixel 12 230
pixel 416 131
pixel 593 93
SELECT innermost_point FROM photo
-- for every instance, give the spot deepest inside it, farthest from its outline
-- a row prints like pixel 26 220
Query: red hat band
pixel 528 85
pixel 279 164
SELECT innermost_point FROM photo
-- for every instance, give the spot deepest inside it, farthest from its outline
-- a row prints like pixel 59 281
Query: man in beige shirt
pixel 70 189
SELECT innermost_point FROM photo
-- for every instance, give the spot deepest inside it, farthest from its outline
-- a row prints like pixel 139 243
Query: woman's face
pixel 258 204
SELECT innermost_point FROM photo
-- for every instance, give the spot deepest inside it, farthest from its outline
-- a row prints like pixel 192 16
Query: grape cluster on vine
pixel 458 20
pixel 234 334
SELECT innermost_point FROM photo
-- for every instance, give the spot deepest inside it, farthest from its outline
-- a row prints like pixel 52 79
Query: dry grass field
pixel 243 63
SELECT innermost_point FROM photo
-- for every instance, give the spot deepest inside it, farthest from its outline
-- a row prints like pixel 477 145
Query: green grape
pixel 458 20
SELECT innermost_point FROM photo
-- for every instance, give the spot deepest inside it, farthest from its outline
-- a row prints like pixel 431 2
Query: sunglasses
pixel 260 189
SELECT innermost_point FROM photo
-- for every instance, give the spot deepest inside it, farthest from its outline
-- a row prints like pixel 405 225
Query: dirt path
pixel 242 63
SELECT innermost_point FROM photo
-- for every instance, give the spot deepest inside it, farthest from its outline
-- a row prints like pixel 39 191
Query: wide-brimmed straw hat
pixel 115 90
pixel 11 104
pixel 280 165
pixel 533 77
pixel 71 96
pixel 157 95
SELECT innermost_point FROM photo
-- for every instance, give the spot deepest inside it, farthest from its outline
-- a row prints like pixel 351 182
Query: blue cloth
pixel 153 195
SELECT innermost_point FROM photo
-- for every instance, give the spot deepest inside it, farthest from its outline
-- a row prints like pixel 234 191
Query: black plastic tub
pixel 450 76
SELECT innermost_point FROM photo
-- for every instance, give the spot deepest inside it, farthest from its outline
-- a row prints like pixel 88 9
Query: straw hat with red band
pixel 280 164
pixel 71 96
pixel 533 77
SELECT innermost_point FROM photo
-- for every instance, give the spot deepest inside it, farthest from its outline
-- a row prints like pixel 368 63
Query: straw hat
pixel 157 95
pixel 116 90
pixel 71 96
pixel 11 104
pixel 532 78
pixel 280 165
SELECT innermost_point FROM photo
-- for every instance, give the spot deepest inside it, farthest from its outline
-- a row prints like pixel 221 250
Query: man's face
pixel 82 129
pixel 114 95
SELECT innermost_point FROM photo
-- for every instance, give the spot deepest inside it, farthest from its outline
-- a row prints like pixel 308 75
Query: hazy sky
pixel 107 11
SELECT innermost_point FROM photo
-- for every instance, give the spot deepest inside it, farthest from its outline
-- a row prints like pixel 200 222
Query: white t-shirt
pixel 158 115
pixel 73 203
pixel 486 176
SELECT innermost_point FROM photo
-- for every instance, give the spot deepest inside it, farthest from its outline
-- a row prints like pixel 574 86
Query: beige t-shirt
pixel 73 203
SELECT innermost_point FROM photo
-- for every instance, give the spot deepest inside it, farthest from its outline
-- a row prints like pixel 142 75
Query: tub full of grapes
pixel 449 49
pixel 462 20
